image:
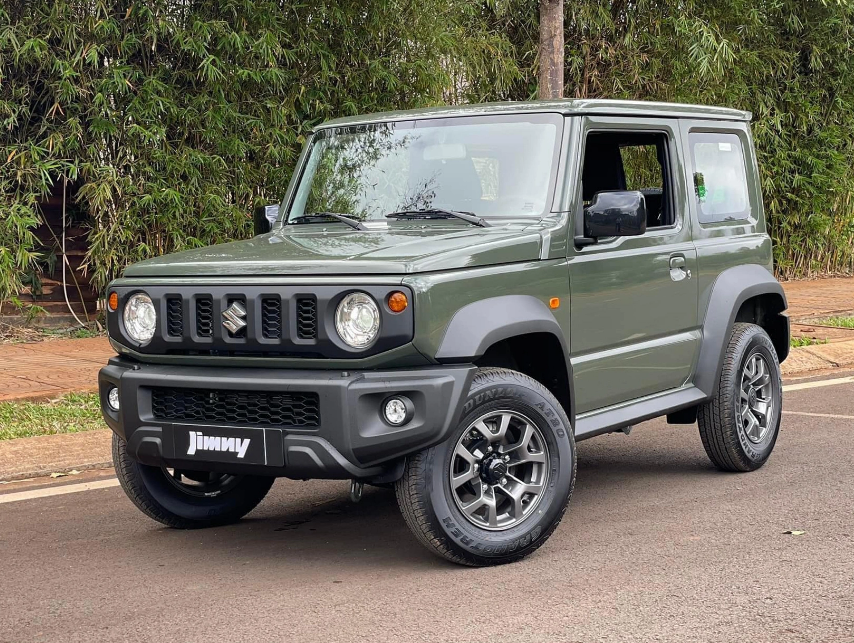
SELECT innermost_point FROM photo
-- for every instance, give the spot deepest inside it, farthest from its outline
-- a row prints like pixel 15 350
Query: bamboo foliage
pixel 176 117
pixel 173 118
pixel 790 62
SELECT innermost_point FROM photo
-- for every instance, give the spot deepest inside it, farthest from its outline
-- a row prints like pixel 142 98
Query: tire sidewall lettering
pixel 557 431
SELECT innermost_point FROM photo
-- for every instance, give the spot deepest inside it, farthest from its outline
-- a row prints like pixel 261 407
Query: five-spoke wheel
pixel 739 426
pixel 756 398
pixel 496 489
pixel 499 469
pixel 187 499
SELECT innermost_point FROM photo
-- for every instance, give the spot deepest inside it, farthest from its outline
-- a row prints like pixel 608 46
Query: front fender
pixel 481 324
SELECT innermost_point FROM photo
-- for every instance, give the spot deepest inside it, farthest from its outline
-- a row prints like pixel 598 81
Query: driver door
pixel 633 318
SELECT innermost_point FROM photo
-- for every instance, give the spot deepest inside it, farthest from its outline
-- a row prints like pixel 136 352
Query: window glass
pixel 720 180
pixel 489 166
pixel 629 161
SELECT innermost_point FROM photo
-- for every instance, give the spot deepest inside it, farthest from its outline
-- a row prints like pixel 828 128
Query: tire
pixel 160 498
pixel 433 510
pixel 731 439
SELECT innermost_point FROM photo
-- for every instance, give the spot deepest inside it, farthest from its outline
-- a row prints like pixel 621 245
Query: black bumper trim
pixel 351 441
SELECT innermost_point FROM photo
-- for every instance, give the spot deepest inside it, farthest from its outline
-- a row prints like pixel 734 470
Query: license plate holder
pixel 233 445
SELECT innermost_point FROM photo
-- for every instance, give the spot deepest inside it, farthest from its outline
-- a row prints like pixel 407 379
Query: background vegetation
pixel 70 413
pixel 172 118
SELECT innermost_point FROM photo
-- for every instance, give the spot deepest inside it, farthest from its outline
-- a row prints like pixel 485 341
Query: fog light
pixel 113 398
pixel 398 410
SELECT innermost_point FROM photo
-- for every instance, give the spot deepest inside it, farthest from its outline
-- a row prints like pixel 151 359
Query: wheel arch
pixel 517 332
pixel 747 293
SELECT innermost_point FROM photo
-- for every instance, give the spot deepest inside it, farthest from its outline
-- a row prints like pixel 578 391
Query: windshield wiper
pixel 430 213
pixel 318 217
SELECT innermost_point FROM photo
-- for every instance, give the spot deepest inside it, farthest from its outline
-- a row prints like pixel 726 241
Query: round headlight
pixel 140 318
pixel 357 320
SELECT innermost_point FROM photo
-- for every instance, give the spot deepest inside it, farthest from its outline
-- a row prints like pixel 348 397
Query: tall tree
pixel 551 49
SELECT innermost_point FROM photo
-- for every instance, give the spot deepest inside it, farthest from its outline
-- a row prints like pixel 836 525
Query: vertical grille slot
pixel 174 317
pixel 204 316
pixel 306 317
pixel 271 318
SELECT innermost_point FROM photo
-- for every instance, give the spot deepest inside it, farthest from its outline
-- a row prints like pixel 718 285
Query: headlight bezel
pixel 396 331
pixel 347 333
pixel 130 324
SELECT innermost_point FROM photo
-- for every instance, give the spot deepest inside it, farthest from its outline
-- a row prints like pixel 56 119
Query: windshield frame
pixel 545 117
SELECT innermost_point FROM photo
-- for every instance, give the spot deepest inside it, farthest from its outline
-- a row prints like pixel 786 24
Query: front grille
pixel 240 408
pixel 281 321
pixel 174 317
pixel 271 318
pixel 204 316
pixel 306 318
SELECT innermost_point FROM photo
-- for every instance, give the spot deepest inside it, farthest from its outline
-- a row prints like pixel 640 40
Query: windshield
pixel 491 166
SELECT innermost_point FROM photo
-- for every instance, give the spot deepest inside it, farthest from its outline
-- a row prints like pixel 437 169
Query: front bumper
pixel 350 440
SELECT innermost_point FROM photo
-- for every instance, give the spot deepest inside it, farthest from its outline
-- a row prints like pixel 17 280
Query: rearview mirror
pixel 264 218
pixel 615 214
pixel 444 152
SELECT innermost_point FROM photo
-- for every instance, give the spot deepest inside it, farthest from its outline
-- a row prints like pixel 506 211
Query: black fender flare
pixel 730 290
pixel 478 325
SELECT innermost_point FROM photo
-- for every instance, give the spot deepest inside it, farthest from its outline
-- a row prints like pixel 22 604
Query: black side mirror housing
pixel 264 217
pixel 619 213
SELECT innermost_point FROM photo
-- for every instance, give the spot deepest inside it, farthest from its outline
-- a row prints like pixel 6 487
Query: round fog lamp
pixel 113 398
pixel 397 411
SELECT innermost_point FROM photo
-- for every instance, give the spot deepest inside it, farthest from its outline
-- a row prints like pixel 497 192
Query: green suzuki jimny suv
pixel 445 301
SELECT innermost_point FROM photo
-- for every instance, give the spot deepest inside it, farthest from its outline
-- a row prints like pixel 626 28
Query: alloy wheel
pixel 499 470
pixel 756 398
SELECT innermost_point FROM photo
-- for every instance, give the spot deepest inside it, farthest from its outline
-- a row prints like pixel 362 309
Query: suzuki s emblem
pixel 233 316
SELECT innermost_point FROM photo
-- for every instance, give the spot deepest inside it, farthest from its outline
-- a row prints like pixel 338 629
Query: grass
pixel 839 322
pixel 13 334
pixel 70 413
pixel 798 342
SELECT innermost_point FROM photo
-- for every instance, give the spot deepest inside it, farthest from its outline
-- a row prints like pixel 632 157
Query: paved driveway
pixel 656 546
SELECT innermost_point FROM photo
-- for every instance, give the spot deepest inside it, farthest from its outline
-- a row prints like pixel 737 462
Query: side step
pixel 621 418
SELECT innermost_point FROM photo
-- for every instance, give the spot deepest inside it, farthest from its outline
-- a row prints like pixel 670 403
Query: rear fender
pixel 731 289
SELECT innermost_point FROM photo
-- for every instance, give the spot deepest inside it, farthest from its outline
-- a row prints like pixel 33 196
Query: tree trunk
pixel 551 49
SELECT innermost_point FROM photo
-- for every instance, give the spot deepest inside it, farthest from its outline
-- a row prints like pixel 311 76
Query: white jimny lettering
pixel 201 442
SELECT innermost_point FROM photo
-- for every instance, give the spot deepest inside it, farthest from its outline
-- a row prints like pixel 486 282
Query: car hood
pixel 396 248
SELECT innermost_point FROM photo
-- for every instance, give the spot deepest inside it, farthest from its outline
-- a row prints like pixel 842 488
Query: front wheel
pixel 187 499
pixel 497 488
pixel 739 426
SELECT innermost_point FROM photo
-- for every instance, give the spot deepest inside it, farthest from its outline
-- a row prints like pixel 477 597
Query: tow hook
pixel 356 489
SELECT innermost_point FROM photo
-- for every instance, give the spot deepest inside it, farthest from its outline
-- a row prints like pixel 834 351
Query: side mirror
pixel 615 214
pixel 264 217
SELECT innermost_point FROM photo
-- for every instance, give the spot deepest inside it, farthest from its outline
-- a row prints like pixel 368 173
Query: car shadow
pixel 314 527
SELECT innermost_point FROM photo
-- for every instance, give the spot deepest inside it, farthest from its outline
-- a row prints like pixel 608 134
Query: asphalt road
pixel 657 545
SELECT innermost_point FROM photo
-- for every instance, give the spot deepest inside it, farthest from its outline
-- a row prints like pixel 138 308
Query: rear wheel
pixel 187 499
pixel 739 427
pixel 498 487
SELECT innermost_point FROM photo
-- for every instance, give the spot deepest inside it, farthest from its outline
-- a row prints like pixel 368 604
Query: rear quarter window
pixel 720 177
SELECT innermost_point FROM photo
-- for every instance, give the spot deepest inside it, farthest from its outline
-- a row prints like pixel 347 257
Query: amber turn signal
pixel 113 302
pixel 397 302
pixel 554 302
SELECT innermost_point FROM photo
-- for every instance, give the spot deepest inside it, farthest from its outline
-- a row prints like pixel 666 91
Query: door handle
pixel 678 268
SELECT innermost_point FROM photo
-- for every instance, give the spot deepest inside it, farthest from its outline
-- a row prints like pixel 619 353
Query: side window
pixel 720 179
pixel 630 161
